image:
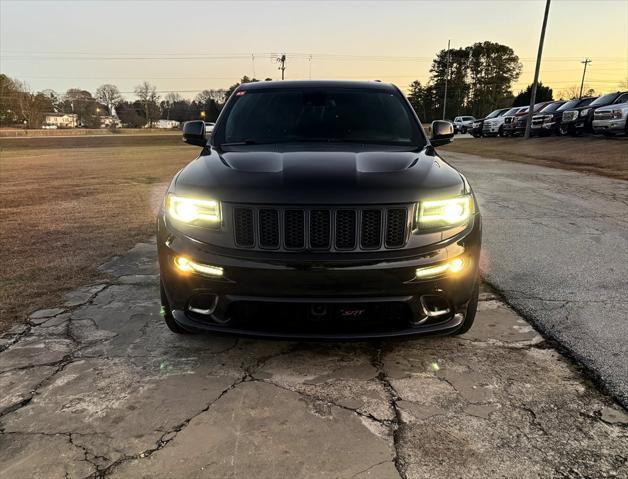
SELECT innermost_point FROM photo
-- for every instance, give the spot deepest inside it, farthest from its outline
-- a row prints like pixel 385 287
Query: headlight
pixel 443 213
pixel 617 114
pixel 193 211
pixel 584 112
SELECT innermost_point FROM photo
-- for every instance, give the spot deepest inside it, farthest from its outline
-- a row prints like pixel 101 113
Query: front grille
pixel 602 115
pixel 320 228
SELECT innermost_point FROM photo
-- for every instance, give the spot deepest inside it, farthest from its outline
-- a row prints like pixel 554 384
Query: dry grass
pixel 599 155
pixel 68 204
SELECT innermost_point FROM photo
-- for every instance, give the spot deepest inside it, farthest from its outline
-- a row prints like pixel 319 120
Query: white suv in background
pixel 610 120
pixel 495 126
pixel 463 123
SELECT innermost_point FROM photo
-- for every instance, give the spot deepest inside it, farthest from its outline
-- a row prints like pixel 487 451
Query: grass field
pixel 67 204
pixel 599 155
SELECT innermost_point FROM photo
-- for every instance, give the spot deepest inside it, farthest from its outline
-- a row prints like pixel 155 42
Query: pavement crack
pixel 393 398
pixel 367 469
pixel 312 397
pixel 167 436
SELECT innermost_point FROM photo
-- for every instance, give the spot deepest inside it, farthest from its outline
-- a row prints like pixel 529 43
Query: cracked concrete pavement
pixel 555 244
pixel 100 388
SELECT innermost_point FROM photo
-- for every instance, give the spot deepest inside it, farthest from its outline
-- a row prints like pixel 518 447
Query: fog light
pixel 185 265
pixel 454 266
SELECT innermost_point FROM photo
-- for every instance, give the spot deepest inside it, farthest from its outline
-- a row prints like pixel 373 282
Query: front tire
pixel 167 313
pixel 471 310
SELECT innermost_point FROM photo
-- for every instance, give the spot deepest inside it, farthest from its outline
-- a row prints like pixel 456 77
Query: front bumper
pixel 318 295
pixel 613 125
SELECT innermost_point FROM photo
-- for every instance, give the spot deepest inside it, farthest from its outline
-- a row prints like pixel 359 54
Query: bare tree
pixel 108 95
pixel 219 96
pixel 31 106
pixel 170 100
pixel 148 96
pixel 573 92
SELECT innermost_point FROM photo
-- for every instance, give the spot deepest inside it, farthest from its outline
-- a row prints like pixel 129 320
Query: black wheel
pixel 463 130
pixel 471 310
pixel 167 313
pixel 500 132
pixel 563 131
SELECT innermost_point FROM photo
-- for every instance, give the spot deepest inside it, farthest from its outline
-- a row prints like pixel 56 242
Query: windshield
pixel 512 111
pixel 568 105
pixel 551 107
pixel 357 115
pixel 495 113
pixel 604 99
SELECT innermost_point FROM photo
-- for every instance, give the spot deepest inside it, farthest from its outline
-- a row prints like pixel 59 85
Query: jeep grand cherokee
pixel 319 209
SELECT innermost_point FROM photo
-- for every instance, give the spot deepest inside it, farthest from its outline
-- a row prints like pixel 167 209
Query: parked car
pixel 495 126
pixel 478 125
pixel 521 119
pixel 319 209
pixel 580 119
pixel 548 121
pixel 610 120
pixel 463 123
pixel 511 120
pixel 209 126
pixel 536 128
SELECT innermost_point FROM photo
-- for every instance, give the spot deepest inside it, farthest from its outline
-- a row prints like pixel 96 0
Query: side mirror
pixel 194 133
pixel 442 133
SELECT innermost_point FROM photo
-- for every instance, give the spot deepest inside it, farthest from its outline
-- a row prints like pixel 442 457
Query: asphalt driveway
pixel 101 388
pixel 555 244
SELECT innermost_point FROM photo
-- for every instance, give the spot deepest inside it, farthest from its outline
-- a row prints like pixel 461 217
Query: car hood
pixel 613 107
pixel 318 175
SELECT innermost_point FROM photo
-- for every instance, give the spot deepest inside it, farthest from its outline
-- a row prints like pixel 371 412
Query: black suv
pixel 579 119
pixel 548 120
pixel 319 209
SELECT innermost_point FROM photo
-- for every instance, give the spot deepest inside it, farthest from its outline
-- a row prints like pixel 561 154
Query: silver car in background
pixel 610 120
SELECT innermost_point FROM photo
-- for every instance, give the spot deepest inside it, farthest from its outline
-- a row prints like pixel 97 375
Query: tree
pixel 108 95
pixel 84 105
pixel 8 100
pixel 416 97
pixel 31 106
pixel 479 79
pixel 208 103
pixel 573 92
pixel 147 95
pixel 245 79
pixel 543 93
pixel 492 70
pixel 130 114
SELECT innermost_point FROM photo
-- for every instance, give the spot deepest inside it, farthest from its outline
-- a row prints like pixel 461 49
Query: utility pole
pixel 446 78
pixel 282 60
pixel 536 70
pixel 586 61
pixel 253 63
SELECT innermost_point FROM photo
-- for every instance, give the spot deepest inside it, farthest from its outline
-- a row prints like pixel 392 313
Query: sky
pixel 188 46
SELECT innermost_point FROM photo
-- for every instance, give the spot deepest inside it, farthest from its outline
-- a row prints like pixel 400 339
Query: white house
pixel 166 124
pixel 61 120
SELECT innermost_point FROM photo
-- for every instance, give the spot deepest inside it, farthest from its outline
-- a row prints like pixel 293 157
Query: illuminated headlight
pixel 193 211
pixel 449 267
pixel 185 265
pixel 443 213
pixel 584 112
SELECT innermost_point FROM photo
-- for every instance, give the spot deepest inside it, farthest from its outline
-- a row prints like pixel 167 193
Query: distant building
pixel 166 124
pixel 61 120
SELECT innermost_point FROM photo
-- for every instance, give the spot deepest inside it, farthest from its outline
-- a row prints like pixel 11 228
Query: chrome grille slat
pixel 321 228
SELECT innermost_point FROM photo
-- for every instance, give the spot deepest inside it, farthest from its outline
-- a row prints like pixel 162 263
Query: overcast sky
pixel 190 46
